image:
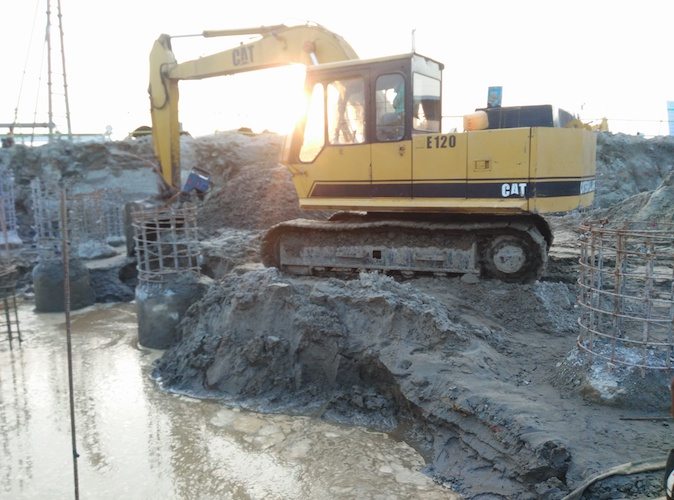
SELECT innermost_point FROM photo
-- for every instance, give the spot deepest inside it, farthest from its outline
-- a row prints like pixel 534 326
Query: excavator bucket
pixel 197 180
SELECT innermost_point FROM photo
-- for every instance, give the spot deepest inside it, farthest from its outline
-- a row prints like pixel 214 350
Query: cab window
pixel 346 111
pixel 426 104
pixel 390 107
pixel 314 131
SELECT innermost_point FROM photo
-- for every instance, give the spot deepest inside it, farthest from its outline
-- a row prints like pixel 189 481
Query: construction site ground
pixel 482 377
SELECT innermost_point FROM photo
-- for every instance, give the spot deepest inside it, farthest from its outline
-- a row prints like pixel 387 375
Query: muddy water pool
pixel 136 441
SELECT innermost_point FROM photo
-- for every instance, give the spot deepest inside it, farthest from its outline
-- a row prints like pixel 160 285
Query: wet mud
pixel 135 441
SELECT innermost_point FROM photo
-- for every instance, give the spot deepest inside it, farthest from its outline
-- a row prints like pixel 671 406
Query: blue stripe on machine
pixel 512 189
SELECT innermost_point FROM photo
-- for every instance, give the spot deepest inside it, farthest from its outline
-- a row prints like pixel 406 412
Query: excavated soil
pixel 482 378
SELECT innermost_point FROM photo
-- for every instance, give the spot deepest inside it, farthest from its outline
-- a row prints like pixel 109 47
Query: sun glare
pixel 271 99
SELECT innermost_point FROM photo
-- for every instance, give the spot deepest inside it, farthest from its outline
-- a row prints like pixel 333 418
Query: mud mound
pixel 387 355
pixel 656 206
pixel 279 336
pixel 250 190
pixel 627 165
pixel 603 383
pixel 541 305
pixel 228 249
pixel 224 154
pixel 86 166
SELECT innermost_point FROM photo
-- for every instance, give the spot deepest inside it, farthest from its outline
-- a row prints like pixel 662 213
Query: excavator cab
pixel 355 141
pixel 358 103
pixel 364 102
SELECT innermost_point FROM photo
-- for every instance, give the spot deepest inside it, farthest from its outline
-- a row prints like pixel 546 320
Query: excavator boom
pixel 277 46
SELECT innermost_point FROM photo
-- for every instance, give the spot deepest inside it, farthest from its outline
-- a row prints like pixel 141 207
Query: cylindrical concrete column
pixel 48 286
pixel 161 306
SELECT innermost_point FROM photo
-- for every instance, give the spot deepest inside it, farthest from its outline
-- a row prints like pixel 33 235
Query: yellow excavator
pixel 409 197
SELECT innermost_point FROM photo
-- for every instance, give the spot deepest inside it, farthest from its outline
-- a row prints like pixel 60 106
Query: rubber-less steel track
pixel 511 249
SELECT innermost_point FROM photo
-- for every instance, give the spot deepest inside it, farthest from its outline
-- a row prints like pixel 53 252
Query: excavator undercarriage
pixel 509 248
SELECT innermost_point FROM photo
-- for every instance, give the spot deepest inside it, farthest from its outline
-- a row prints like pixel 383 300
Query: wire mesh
pixel 626 294
pixel 45 197
pixel 113 215
pixel 8 200
pixel 166 242
pixel 95 216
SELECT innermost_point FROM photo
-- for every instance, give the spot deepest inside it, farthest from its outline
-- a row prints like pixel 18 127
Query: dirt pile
pixel 628 165
pixel 463 372
pixel 250 189
pixel 370 352
pixel 125 166
pixel 655 206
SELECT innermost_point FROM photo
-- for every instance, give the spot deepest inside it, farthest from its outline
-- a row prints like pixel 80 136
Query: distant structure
pixel 11 137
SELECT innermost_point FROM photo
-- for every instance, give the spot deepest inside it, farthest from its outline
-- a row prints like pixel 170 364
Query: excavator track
pixel 511 249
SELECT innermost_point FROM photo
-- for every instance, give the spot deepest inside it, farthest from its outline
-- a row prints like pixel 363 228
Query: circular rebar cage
pixel 47 217
pixel 166 242
pixel 626 294
pixel 8 205
pixel 97 215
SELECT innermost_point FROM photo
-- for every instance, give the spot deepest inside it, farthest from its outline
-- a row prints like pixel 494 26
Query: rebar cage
pixel 97 215
pixel 8 205
pixel 93 216
pixel 166 242
pixel 626 294
pixel 47 217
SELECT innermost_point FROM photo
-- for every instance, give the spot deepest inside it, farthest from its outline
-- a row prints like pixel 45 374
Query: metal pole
pixel 49 89
pixel 63 65
pixel 66 296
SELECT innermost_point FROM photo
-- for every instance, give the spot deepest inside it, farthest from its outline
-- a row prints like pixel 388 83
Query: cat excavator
pixel 409 198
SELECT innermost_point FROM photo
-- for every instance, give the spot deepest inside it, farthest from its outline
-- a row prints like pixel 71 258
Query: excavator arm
pixel 279 45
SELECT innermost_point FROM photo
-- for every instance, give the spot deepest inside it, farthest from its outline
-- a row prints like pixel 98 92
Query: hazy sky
pixel 594 58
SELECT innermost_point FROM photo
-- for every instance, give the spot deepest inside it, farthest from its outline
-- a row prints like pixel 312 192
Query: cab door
pixel 334 154
pixel 391 153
